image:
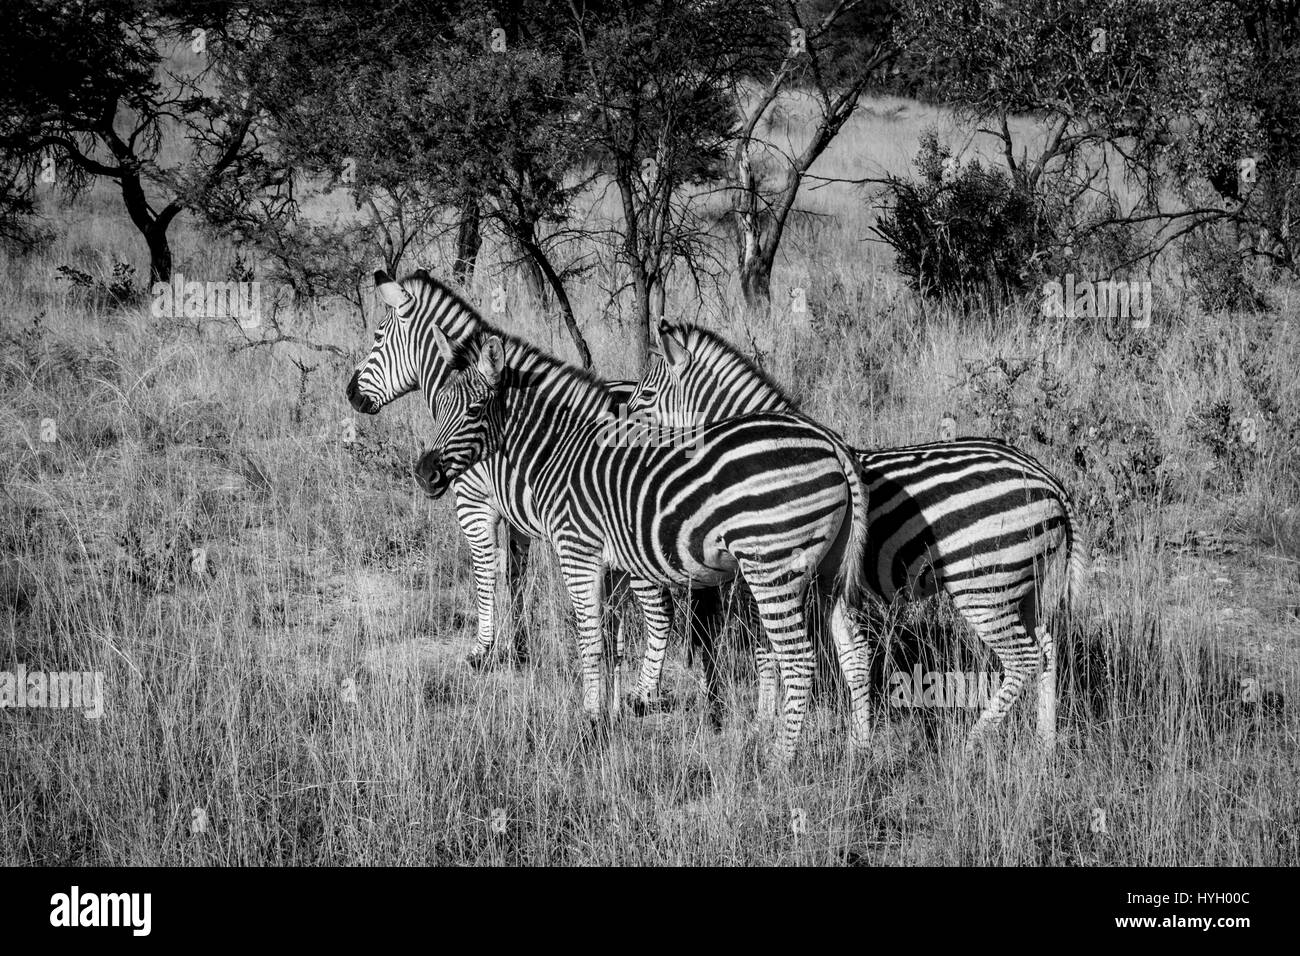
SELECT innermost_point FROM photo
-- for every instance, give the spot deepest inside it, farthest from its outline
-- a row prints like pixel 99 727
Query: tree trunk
pixel 541 264
pixel 641 342
pixel 469 238
pixel 756 282
pixel 160 253
pixel 153 228
pixel 535 277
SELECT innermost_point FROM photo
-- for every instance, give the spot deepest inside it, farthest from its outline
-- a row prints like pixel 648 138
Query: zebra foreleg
pixel 658 619
pixel 518 544
pixel 584 579
pixel 489 571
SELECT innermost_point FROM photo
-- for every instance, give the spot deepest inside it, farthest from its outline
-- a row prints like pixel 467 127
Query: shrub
pixel 964 230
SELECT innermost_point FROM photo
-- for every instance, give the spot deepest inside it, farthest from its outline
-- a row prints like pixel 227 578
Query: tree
pixel 655 99
pixel 1193 96
pixel 423 119
pixel 831 51
pixel 83 94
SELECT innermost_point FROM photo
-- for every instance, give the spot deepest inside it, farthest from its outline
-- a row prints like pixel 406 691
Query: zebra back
pixel 952 486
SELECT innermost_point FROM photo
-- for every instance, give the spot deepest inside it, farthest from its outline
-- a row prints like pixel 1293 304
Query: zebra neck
pixel 734 386
pixel 441 309
pixel 548 401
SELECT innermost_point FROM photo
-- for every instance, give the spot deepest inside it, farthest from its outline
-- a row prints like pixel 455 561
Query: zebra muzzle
pixel 362 403
pixel 429 474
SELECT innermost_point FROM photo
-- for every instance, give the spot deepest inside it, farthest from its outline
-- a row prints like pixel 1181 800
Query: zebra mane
pixel 526 364
pixel 451 310
pixel 705 343
pixel 465 350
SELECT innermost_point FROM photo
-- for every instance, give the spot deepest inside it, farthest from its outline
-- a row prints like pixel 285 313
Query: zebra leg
pixel 584 579
pixel 780 600
pixel 517 544
pixel 616 588
pixel 704 623
pixel 1047 689
pixel 1047 668
pixel 658 619
pixel 765 660
pixel 480 528
pixel 1003 630
pixel 855 665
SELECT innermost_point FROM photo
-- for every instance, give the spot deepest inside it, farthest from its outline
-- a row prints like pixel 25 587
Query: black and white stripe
pixel 771 497
pixel 493 507
pixel 974 518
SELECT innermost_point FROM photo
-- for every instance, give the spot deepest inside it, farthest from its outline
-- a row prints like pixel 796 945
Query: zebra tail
pixel 1076 584
pixel 852 574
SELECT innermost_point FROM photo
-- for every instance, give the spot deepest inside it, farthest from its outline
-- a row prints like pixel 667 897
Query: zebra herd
pixel 754 490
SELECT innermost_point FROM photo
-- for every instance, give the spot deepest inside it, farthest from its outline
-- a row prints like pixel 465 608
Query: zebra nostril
pixel 356 399
pixel 427 470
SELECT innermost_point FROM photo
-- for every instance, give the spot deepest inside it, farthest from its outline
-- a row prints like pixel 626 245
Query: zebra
pixel 493 507
pixel 772 498
pixel 974 517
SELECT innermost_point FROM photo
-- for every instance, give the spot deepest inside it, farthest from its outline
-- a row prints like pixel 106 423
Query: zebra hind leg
pixel 781 607
pixel 1047 671
pixel 855 664
pixel 1011 633
pixel 704 624
pixel 765 661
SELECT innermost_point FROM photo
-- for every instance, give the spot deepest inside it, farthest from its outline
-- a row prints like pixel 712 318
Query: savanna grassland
pixel 281 616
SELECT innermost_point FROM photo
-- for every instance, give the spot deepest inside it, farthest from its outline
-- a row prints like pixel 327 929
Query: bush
pixel 964 231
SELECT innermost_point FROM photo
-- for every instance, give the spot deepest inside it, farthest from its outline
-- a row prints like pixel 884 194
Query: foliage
pixel 964 229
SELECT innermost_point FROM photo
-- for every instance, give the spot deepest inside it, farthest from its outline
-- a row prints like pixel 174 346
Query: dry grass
pixel 323 564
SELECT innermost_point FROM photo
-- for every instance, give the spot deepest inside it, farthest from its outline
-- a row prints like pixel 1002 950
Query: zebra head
pixel 468 410
pixel 664 389
pixel 405 354
pixel 699 378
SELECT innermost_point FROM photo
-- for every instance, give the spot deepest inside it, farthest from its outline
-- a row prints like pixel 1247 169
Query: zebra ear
pixel 673 347
pixel 389 290
pixel 440 339
pixel 492 360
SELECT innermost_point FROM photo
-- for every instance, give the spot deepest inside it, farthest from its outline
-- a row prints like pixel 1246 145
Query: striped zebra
pixel 493 507
pixel 974 517
pixel 773 498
